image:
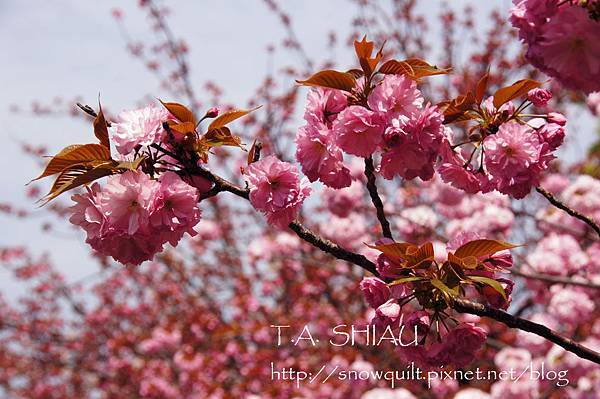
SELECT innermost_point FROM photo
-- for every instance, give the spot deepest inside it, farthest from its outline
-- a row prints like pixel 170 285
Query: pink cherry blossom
pixel 515 157
pixel 375 290
pixel 593 102
pixel 276 189
pixel 396 95
pixel 539 97
pixel 358 131
pixel 175 209
pixel 561 41
pixel 140 127
pixel 411 145
pixel 127 199
pixel 319 156
pixel 323 105
pixel 464 341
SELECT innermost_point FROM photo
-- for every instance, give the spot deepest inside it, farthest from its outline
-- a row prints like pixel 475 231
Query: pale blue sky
pixel 73 47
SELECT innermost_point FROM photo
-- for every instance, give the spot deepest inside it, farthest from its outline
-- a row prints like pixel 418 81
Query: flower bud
pixel 212 112
pixel 555 117
pixel 539 97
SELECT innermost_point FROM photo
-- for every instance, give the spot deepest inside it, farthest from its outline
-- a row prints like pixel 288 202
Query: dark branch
pixel 465 306
pixel 460 305
pixel 555 279
pixel 332 248
pixel 554 201
pixel 372 187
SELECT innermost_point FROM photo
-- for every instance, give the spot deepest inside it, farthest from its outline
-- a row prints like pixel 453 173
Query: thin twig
pixel 555 279
pixel 459 304
pixel 465 306
pixel 372 187
pixel 554 201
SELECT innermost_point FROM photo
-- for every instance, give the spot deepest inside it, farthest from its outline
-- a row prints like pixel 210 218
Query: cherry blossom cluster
pixel 132 216
pixel 276 189
pixel 393 122
pixel 406 305
pixel 510 156
pixel 562 39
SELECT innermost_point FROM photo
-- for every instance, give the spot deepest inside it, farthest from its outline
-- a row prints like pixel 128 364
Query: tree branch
pixel 372 187
pixel 560 205
pixel 555 279
pixel 465 306
pixel 459 304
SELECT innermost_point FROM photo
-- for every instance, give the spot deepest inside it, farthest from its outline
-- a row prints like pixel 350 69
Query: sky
pixel 67 48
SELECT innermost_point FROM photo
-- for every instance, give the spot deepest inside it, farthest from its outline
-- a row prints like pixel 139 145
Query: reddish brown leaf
pixel 251 153
pixel 331 79
pixel 357 73
pixel 181 112
pixel 75 176
pixel 85 154
pixel 517 89
pixel 229 116
pixel 418 255
pixel 130 165
pixel 492 283
pixel 457 109
pixel 101 129
pixel 394 67
pixel 396 250
pixel 364 48
pixel 422 69
pixel 218 137
pixel 481 88
pixel 478 248
pixel 183 128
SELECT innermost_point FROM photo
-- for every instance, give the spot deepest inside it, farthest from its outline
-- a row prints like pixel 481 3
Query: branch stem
pixel 376 199
pixel 459 304
pixel 560 205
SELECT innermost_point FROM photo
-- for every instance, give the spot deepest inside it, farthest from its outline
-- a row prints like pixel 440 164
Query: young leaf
pixel 230 116
pixel 517 89
pixel 482 247
pixel 356 73
pixel 183 128
pixel 181 112
pixel 252 152
pixel 406 280
pixel 418 256
pixel 101 129
pixel 439 284
pixel 393 67
pixel 396 250
pixel 492 283
pixel 422 69
pixel 219 137
pixel 75 176
pixel 331 79
pixel 481 88
pixel 130 165
pixel 86 154
pixel 458 108
pixel 364 48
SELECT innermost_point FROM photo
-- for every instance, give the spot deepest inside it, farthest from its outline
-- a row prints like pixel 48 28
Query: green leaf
pixel 492 283
pixel 439 284
pixel 406 280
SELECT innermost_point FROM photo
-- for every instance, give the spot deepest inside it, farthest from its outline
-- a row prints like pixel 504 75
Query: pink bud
pixel 555 117
pixel 539 97
pixel 212 112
